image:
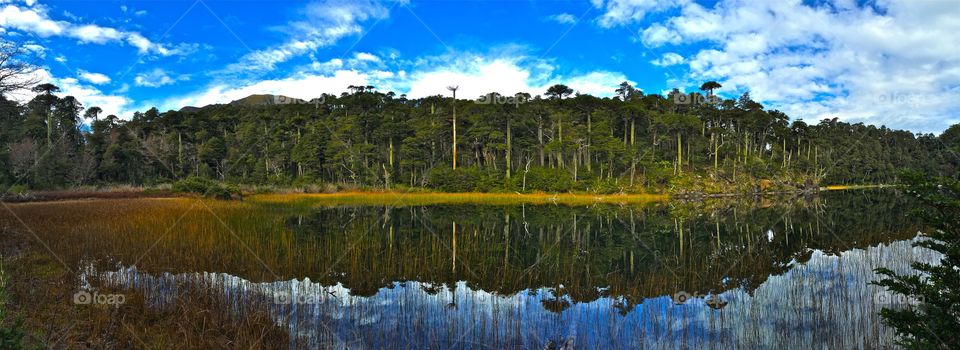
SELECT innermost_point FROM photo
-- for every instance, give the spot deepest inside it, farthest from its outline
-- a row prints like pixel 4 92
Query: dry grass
pixel 853 187
pixel 43 288
pixel 416 199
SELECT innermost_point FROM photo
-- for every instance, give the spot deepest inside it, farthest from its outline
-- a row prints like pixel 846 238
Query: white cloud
pixel 618 12
pixel 93 78
pixel 31 21
pixel 305 87
pixel 668 59
pixel 88 95
pixel 363 56
pixel 894 62
pixel 38 50
pixel 602 84
pixel 657 35
pixel 325 22
pixel 475 74
pixel 158 77
pixel 476 78
pixel 478 75
pixel 37 21
pixel 563 18
pixel 91 33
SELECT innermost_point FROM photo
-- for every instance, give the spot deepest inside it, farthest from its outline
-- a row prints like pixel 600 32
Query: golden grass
pixel 42 289
pixel 852 187
pixel 412 199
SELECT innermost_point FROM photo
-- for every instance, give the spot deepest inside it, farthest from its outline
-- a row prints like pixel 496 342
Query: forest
pixel 557 141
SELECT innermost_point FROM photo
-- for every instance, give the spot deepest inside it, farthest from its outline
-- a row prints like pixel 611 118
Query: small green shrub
pixel 467 179
pixel 17 190
pixel 450 180
pixel 548 180
pixel 206 188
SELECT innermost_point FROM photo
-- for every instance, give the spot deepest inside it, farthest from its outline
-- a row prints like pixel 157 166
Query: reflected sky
pixel 677 275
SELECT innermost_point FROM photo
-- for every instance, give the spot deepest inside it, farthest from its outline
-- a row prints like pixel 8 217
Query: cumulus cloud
pixel 892 62
pixel 475 74
pixel 88 95
pixel 93 78
pixel 657 35
pixel 304 86
pixel 668 59
pixel 36 20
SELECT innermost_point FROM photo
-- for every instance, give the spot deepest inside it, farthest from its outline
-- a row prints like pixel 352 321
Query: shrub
pixel 459 180
pixel 17 190
pixel 206 188
pixel 548 180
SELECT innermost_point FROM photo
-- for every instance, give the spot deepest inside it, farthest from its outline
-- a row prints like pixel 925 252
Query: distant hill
pixel 190 109
pixel 260 99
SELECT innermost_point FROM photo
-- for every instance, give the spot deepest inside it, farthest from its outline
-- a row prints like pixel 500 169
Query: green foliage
pixel 206 188
pixel 17 190
pixel 548 180
pixel 372 139
pixel 12 334
pixel 464 179
pixel 933 323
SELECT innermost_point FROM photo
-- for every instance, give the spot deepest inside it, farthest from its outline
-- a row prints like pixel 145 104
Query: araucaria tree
pixel 552 141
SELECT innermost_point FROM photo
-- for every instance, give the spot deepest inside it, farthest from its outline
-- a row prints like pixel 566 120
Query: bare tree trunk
pixel 540 137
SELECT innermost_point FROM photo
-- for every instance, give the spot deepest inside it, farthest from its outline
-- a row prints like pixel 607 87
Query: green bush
pixel 459 180
pixel 467 179
pixel 603 186
pixel 206 188
pixel 548 180
pixel 17 190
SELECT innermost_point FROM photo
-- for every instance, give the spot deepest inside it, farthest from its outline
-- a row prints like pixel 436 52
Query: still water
pixel 752 273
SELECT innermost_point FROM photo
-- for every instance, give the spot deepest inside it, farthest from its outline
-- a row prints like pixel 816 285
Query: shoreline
pixel 381 197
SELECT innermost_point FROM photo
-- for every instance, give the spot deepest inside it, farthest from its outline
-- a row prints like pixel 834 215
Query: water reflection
pixel 754 274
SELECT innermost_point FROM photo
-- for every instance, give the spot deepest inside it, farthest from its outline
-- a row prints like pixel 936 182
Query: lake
pixel 720 273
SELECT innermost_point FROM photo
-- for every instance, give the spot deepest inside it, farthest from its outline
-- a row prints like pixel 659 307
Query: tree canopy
pixel 365 137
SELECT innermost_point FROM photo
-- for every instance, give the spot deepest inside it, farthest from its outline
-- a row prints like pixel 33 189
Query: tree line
pixel 557 141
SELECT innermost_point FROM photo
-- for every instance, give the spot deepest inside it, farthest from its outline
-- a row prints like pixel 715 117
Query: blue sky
pixel 890 62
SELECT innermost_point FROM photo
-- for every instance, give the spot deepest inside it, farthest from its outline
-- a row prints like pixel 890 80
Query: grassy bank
pixel 403 199
pixel 409 197
pixel 853 187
